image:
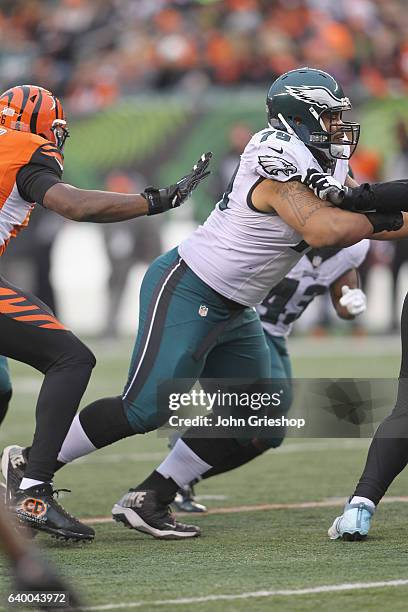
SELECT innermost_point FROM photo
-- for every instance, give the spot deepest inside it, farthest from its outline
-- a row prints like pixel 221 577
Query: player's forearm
pixel 349 278
pixel 334 227
pixel 94 206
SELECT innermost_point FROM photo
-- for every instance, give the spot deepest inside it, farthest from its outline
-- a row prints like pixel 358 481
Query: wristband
pixel 382 222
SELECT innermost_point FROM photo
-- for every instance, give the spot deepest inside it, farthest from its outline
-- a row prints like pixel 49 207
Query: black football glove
pixel 324 186
pixel 160 200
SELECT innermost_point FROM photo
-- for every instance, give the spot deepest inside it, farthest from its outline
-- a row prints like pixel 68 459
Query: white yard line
pixel 326 503
pixel 328 588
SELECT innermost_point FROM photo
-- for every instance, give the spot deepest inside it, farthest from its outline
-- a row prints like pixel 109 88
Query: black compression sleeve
pixel 381 197
pixel 34 180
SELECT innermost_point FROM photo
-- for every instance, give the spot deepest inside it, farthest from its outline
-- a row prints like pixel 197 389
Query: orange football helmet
pixel 29 108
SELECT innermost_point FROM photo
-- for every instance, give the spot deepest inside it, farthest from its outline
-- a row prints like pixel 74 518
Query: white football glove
pixel 353 300
pixel 324 186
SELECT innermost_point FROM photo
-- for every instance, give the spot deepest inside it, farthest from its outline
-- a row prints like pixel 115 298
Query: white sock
pixel 182 465
pixel 26 483
pixel 76 444
pixel 362 500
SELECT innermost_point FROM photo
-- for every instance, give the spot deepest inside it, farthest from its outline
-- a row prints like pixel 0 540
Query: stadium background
pixel 148 86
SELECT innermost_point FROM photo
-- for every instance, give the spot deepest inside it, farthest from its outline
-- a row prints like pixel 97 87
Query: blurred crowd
pixel 92 51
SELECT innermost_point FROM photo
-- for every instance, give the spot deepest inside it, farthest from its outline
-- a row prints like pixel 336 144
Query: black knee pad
pixel 105 422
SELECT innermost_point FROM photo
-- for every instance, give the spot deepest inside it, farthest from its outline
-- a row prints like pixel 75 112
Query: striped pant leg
pixel 30 333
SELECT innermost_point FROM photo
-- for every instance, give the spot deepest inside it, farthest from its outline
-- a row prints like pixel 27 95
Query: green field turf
pixel 239 552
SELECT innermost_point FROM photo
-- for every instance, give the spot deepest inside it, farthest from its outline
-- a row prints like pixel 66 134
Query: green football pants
pixel 187 330
pixel 5 381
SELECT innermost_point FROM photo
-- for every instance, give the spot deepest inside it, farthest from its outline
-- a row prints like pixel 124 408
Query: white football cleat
pixel 353 524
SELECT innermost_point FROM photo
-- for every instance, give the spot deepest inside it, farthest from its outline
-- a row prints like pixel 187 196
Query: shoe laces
pixel 55 493
pixel 58 491
pixel 165 511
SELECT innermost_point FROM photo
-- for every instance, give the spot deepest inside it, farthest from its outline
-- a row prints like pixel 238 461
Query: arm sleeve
pixel 381 197
pixel 42 172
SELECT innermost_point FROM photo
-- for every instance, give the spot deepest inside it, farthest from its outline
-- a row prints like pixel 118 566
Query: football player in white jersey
pixel 320 271
pixel 197 318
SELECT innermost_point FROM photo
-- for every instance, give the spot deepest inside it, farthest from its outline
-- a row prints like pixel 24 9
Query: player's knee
pixel 73 352
pixel 85 355
pixel 82 355
pixel 105 421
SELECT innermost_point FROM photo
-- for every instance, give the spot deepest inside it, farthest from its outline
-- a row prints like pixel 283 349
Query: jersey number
pixel 278 134
pixel 279 297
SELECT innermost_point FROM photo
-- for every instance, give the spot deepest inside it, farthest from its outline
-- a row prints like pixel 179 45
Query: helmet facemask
pixel 60 132
pixel 337 139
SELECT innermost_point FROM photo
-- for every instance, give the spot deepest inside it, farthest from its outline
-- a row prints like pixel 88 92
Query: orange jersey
pixel 26 161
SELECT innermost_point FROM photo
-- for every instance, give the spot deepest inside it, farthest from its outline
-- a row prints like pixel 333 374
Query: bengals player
pixel 33 131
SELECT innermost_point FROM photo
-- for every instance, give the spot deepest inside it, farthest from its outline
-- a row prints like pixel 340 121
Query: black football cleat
pixel 37 508
pixel 13 464
pixel 185 501
pixel 141 510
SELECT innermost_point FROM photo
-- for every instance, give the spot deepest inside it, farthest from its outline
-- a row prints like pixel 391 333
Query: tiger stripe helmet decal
pixel 29 108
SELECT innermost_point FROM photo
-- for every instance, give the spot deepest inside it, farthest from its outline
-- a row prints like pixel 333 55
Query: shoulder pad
pixel 47 154
pixel 277 155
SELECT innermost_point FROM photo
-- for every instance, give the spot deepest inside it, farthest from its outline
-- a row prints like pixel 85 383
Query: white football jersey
pixel 239 251
pixel 312 276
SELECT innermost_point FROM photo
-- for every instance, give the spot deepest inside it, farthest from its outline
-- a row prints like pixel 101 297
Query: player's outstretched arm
pixel 106 207
pixel 390 197
pixel 319 224
pixel 96 206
